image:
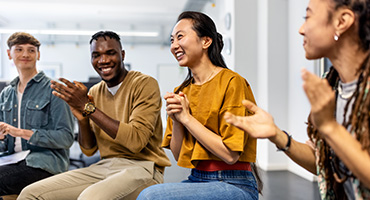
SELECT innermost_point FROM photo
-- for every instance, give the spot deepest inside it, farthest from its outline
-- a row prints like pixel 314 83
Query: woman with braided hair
pixel 338 125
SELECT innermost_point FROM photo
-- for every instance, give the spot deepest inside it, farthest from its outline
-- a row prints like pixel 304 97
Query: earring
pixel 336 37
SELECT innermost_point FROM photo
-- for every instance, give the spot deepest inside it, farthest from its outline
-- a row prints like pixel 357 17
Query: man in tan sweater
pixel 120 117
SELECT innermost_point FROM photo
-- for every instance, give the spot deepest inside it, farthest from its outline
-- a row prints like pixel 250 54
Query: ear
pixel 207 41
pixel 9 56
pixel 344 19
pixel 38 55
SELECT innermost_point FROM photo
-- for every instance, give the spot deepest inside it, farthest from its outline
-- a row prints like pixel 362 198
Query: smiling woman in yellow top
pixel 220 155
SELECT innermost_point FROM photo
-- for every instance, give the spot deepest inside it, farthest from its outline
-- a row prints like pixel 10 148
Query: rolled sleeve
pixel 238 90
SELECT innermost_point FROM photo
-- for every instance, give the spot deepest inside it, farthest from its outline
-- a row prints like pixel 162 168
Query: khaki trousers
pixel 114 178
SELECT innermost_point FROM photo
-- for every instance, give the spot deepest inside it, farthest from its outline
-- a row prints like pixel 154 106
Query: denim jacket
pixel 49 118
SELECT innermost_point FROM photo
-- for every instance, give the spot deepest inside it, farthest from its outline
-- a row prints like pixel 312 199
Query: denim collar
pixel 37 78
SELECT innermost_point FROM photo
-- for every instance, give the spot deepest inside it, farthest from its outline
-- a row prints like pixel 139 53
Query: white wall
pixel 298 104
pixel 75 60
pixel 277 73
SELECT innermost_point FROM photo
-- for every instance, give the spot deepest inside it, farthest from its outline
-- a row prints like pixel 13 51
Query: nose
pixel 301 30
pixel 103 59
pixel 25 54
pixel 174 46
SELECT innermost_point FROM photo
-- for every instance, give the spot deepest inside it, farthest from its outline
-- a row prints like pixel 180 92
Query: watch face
pixel 89 107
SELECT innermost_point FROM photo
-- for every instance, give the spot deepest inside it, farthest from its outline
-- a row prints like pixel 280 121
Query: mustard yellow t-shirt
pixel 208 104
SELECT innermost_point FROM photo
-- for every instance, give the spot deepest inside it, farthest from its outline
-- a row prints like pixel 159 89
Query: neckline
pixel 210 79
pixel 349 89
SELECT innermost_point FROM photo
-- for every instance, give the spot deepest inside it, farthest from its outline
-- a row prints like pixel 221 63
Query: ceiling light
pixel 80 32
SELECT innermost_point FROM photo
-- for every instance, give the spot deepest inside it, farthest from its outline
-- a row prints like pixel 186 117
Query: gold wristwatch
pixel 89 109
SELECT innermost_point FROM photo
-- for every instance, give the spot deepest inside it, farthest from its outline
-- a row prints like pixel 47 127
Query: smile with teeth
pixel 179 54
pixel 106 69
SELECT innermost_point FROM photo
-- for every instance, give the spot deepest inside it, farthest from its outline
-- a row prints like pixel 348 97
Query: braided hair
pixel 105 34
pixel 359 117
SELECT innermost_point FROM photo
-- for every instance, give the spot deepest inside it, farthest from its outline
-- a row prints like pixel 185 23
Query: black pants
pixel 14 177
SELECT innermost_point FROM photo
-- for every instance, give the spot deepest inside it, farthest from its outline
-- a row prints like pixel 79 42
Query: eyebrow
pixel 107 51
pixel 26 47
pixel 111 51
pixel 176 33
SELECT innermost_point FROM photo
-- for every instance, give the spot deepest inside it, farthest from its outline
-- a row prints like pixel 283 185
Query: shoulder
pixel 138 77
pixel 39 84
pixel 231 77
pixel 139 80
pixel 6 91
pixel 41 77
pixel 98 87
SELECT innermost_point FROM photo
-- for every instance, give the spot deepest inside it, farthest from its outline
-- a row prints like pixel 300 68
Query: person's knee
pixel 144 194
pixel 150 193
pixel 27 192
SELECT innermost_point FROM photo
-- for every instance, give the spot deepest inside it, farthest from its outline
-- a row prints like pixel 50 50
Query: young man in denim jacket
pixel 32 121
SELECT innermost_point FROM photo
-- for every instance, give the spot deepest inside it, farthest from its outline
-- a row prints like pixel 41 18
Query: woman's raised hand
pixel 259 125
pixel 177 106
pixel 321 97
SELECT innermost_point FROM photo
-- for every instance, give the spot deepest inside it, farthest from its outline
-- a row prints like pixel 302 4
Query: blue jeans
pixel 14 177
pixel 228 184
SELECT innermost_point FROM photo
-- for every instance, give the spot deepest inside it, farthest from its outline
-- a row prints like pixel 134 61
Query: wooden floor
pixel 284 185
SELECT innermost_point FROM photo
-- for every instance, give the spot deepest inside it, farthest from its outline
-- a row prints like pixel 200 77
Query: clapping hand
pixel 259 125
pixel 75 94
pixel 321 97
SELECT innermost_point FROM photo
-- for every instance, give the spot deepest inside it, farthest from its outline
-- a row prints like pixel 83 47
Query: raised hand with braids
pixel 338 125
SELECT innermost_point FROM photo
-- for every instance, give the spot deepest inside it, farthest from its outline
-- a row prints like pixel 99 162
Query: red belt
pixel 214 165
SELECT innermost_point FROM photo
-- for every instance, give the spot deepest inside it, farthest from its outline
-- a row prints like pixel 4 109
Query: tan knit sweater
pixel 137 106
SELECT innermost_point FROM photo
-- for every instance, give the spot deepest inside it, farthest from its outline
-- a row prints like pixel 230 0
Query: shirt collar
pixel 37 78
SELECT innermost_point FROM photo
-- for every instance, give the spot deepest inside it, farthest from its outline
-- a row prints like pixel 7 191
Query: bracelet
pixel 287 144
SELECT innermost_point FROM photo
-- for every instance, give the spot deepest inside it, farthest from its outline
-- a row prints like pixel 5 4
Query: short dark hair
pixel 22 38
pixel 105 34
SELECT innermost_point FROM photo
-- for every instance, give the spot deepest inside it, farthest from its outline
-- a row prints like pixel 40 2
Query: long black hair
pixel 204 26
